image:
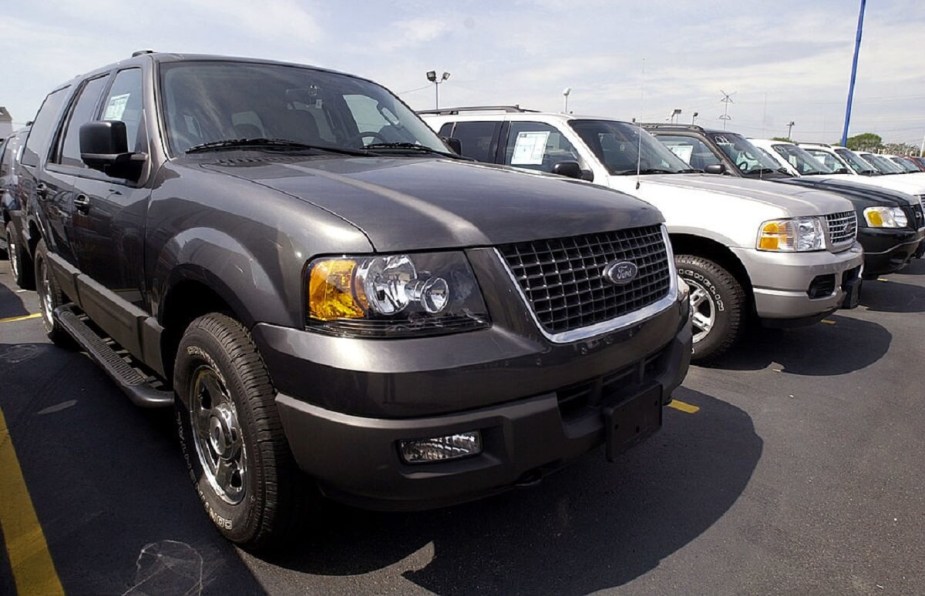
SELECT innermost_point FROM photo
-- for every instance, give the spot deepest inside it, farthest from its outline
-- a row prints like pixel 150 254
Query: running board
pixel 129 380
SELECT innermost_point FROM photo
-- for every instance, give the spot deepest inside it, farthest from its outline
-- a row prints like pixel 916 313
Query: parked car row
pixel 783 254
pixel 337 304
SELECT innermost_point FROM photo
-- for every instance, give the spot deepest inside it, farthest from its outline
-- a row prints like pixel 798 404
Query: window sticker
pixel 116 107
pixel 529 148
pixel 683 151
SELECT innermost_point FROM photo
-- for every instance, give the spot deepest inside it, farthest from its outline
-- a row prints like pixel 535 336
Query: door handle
pixel 82 203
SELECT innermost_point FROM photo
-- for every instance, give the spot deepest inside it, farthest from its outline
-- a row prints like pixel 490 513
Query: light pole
pixel 565 94
pixel 674 114
pixel 790 128
pixel 694 117
pixel 432 77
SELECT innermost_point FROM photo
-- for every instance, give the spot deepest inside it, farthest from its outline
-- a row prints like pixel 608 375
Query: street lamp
pixel 694 117
pixel 565 94
pixel 674 114
pixel 432 77
pixel 790 128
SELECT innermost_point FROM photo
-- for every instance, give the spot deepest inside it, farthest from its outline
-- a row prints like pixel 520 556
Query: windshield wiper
pixel 265 143
pixel 647 171
pixel 763 171
pixel 414 147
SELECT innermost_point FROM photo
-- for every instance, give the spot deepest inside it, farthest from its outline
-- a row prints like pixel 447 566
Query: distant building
pixel 6 123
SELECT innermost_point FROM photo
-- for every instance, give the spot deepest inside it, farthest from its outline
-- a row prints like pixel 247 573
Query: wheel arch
pixel 688 244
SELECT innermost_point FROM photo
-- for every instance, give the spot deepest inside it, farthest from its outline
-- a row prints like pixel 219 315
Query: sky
pixel 777 61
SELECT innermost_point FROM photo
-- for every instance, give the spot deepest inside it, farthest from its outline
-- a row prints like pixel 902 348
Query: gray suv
pixel 293 260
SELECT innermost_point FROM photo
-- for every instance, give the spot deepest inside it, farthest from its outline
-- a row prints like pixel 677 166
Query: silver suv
pixel 786 255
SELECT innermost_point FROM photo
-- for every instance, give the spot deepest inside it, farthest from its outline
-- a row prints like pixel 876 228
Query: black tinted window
pixel 43 127
pixel 83 112
pixel 477 139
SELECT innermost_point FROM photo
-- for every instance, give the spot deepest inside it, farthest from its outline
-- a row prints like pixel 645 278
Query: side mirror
pixel 715 168
pixel 570 169
pixel 454 144
pixel 104 147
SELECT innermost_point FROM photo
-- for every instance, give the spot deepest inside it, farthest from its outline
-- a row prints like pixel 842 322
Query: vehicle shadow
pixel 11 305
pixel 823 349
pixel 893 296
pixel 590 527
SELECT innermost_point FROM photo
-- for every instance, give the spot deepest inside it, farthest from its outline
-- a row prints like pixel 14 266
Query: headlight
pixel 800 234
pixel 394 295
pixel 885 217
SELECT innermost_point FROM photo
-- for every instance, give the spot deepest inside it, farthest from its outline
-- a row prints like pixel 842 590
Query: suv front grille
pixel 918 211
pixel 563 283
pixel 843 227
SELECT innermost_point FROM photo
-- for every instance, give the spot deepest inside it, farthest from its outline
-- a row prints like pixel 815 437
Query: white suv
pixel 784 253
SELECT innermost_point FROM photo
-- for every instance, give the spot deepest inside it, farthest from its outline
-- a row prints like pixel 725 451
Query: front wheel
pixel 231 435
pixel 717 306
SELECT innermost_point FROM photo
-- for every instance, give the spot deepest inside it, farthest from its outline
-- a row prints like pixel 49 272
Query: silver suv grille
pixel 563 283
pixel 843 228
pixel 918 211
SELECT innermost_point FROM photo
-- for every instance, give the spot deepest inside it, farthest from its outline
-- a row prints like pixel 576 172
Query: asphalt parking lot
pixel 792 466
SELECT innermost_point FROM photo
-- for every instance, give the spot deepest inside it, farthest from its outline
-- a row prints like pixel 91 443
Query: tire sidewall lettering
pixel 706 283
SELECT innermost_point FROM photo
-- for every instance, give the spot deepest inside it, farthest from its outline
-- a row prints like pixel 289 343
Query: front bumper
pixel 786 285
pixel 888 250
pixel 536 405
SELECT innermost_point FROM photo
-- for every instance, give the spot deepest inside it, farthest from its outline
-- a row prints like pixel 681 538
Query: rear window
pixel 44 126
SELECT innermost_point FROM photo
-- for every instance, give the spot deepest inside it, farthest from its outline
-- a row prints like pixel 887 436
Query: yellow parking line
pixel 684 407
pixel 33 570
pixel 828 321
pixel 22 318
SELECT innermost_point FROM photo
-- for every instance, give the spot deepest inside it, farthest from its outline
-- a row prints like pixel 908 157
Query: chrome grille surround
pixel 560 280
pixel 843 228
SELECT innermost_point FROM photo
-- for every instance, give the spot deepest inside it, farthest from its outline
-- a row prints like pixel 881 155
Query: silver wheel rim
pixel 12 250
pixel 217 436
pixel 703 310
pixel 46 300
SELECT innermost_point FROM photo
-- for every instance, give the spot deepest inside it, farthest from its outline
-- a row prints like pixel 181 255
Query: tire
pixel 20 265
pixel 717 306
pixel 232 438
pixel 50 298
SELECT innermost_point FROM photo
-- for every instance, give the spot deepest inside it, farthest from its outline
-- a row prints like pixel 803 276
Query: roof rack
pixel 670 125
pixel 141 53
pixel 456 111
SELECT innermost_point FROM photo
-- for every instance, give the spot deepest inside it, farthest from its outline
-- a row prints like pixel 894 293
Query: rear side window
pixel 84 111
pixel 478 140
pixel 44 127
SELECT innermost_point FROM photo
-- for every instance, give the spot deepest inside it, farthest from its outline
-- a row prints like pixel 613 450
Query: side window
pixel 125 102
pixel 83 111
pixel 43 127
pixel 6 155
pixel 538 146
pixel 693 151
pixel 478 140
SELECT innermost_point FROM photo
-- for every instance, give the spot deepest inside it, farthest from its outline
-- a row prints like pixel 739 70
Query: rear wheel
pixel 717 306
pixel 232 437
pixel 50 298
pixel 20 265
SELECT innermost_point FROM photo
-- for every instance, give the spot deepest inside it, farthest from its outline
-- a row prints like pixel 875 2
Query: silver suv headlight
pixel 800 234
pixel 885 217
pixel 394 295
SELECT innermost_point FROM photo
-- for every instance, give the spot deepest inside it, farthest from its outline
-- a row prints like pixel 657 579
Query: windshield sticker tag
pixel 116 107
pixel 683 151
pixel 529 148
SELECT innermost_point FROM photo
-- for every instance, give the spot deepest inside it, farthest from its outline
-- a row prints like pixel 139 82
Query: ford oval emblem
pixel 620 273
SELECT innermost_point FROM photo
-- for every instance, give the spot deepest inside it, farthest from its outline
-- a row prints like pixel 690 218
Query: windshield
pixel 621 147
pixel 830 159
pixel 210 103
pixel 907 166
pixel 801 161
pixel 856 162
pixel 744 155
pixel 883 164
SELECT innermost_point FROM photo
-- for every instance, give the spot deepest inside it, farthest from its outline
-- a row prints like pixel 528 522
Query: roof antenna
pixel 642 93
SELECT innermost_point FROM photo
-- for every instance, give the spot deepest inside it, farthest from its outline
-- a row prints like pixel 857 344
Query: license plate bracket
pixel 632 420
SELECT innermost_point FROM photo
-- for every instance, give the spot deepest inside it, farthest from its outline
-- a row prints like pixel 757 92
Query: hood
pixel 898 182
pixel 411 203
pixel 862 195
pixel 783 199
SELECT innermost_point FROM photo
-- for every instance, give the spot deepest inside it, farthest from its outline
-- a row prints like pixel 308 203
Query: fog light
pixel 418 451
